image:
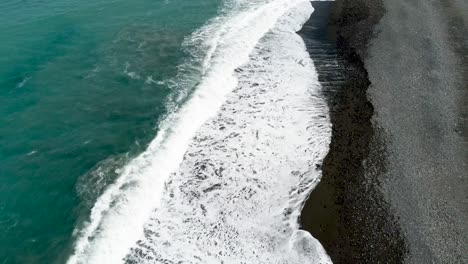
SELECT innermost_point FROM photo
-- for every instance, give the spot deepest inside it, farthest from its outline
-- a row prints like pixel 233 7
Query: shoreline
pixel 394 181
pixel 346 211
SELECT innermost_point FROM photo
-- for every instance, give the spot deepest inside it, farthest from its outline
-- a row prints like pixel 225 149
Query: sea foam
pixel 227 175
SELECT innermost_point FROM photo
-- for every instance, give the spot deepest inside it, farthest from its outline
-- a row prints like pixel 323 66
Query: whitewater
pixel 226 177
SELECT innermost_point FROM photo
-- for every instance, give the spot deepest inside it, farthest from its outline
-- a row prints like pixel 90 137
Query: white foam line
pixel 119 214
pixel 237 195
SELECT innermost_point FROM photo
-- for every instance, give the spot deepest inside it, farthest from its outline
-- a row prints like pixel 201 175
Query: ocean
pixel 161 131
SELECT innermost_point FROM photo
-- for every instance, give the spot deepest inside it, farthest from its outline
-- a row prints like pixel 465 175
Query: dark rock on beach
pixel 394 182
pixel 346 212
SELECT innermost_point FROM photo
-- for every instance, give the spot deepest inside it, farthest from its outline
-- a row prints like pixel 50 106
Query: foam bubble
pixel 238 193
pixel 274 135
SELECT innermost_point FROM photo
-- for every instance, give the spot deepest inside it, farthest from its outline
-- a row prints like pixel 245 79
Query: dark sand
pixel 418 68
pixel 394 186
pixel 346 212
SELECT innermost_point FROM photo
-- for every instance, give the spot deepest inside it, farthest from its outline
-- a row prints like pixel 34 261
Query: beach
pixel 394 182
pixel 233 131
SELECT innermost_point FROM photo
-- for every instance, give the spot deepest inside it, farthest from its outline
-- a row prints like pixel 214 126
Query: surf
pixel 125 213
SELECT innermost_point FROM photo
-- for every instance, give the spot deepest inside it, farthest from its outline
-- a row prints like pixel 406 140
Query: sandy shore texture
pixel 394 186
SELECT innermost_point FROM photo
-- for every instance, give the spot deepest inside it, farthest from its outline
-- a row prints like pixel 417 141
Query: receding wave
pixel 229 170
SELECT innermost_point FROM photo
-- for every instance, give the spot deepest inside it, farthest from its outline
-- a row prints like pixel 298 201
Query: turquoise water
pixel 82 86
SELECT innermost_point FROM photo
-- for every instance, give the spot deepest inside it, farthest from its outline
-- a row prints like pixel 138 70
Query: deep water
pixel 82 87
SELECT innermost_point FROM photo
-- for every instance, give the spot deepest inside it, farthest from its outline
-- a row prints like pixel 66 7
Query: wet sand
pixel 346 212
pixel 394 182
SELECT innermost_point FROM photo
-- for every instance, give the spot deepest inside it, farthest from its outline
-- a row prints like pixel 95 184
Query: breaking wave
pixel 226 177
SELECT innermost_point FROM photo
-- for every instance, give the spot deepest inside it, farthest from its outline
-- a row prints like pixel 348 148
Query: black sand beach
pixel 394 182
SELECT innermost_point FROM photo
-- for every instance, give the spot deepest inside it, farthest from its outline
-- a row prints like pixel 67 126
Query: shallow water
pixel 86 86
